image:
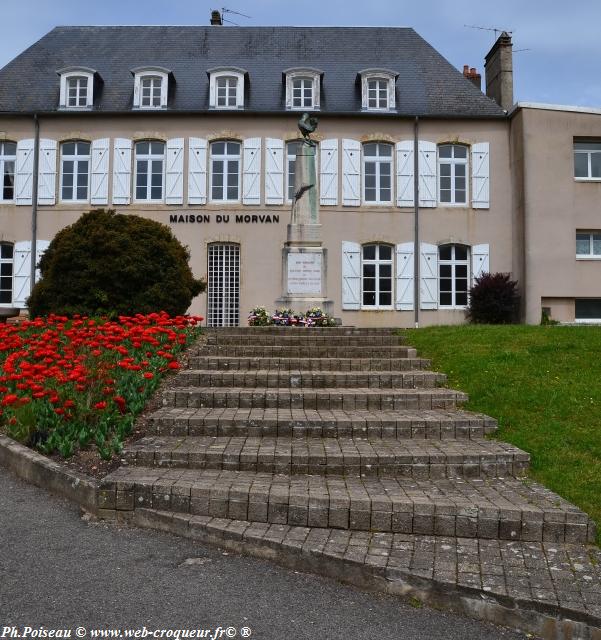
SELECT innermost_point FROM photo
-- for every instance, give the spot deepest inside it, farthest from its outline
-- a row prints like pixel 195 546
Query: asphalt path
pixel 60 571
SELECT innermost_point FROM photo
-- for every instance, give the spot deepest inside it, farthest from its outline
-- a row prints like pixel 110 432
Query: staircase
pixel 334 429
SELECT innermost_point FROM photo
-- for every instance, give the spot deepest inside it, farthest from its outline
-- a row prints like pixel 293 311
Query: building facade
pixel 424 181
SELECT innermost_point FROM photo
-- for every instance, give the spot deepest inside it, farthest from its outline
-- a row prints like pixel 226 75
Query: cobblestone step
pixel 326 351
pixel 420 459
pixel 301 423
pixel 349 399
pixel 493 508
pixel 309 379
pixel 307 364
pixel 304 339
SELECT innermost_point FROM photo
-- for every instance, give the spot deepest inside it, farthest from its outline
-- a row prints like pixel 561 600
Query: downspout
pixel 416 250
pixel 34 201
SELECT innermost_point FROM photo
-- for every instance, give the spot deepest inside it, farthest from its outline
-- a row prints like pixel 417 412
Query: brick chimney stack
pixel 473 76
pixel 498 67
pixel 216 18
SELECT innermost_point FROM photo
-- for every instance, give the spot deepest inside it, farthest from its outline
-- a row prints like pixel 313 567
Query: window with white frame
pixel 8 156
pixel 377 173
pixel 291 151
pixel 226 89
pixel 150 169
pixel 588 245
pixel 453 279
pixel 225 171
pixel 303 89
pixel 376 276
pixel 75 171
pixel 587 310
pixel 452 174
pixel 6 272
pixel 76 88
pixel 378 90
pixel 150 87
pixel 587 160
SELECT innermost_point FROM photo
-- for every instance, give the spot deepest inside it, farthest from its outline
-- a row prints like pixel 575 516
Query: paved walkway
pixel 58 570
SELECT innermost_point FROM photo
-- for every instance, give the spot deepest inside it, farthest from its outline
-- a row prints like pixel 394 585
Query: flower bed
pixel 314 317
pixel 79 383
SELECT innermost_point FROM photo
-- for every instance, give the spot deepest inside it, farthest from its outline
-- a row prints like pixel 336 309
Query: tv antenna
pixel 225 10
pixel 497 30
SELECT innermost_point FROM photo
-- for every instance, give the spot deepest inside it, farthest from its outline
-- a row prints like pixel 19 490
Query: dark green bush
pixel 112 264
pixel 494 299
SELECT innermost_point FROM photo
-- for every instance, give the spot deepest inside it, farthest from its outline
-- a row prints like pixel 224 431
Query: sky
pixel 556 42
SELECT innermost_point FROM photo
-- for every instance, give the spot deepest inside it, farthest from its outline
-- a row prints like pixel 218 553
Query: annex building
pixel 424 181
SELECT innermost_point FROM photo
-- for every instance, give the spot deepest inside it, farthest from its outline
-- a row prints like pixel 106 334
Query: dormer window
pixel 150 87
pixel 302 89
pixel 378 89
pixel 76 88
pixel 226 88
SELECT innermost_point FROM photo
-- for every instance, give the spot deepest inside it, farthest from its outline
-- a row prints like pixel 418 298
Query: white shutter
pixel 40 247
pixel 428 266
pixel 404 174
pixel 351 275
pixel 351 173
pixel 404 276
pixel 328 173
pixel 100 172
pixel 174 175
pixel 122 171
pixel 480 176
pixel 22 273
pixel 47 172
pixel 274 171
pixel 427 174
pixel 251 171
pixel 197 171
pixel 24 172
pixel 480 260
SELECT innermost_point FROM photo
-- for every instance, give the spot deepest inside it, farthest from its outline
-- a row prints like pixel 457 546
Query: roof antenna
pixel 497 30
pixel 225 10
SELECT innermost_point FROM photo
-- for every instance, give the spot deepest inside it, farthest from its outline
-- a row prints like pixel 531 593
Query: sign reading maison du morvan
pixel 304 273
pixel 224 218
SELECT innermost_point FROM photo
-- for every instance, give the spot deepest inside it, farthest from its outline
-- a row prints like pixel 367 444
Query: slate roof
pixel 427 85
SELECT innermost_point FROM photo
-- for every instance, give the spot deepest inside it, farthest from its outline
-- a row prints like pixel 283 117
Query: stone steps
pixel 409 424
pixel 278 331
pixel 238 363
pixel 309 379
pixel 419 459
pixel 503 508
pixel 306 339
pixel 325 351
pixel 349 399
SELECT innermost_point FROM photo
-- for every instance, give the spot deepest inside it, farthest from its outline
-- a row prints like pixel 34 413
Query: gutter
pixel 416 251
pixel 34 201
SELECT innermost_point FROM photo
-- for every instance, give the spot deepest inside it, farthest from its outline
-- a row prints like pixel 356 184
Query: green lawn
pixel 543 385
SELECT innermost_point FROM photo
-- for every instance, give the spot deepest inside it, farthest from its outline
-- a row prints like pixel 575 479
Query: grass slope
pixel 543 385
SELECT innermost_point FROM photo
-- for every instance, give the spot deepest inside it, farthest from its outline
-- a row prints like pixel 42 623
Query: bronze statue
pixel 307 125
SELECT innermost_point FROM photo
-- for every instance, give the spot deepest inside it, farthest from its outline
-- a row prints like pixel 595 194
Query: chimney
pixel 498 67
pixel 216 18
pixel 473 76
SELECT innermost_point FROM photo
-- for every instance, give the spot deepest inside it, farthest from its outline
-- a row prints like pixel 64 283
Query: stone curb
pixel 550 622
pixel 48 474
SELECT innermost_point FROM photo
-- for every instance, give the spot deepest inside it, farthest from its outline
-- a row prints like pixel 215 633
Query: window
pixel 150 164
pixel 75 171
pixel 225 171
pixel 377 172
pixel 6 273
pixel 302 89
pixel 223 285
pixel 76 87
pixel 150 87
pixel 378 89
pixel 588 310
pixel 8 154
pixel 226 88
pixel 453 265
pixel 452 174
pixel 377 276
pixel 291 151
pixel 588 244
pixel 587 160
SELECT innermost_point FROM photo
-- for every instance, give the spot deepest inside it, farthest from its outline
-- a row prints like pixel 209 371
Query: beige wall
pixel 261 244
pixel 554 206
